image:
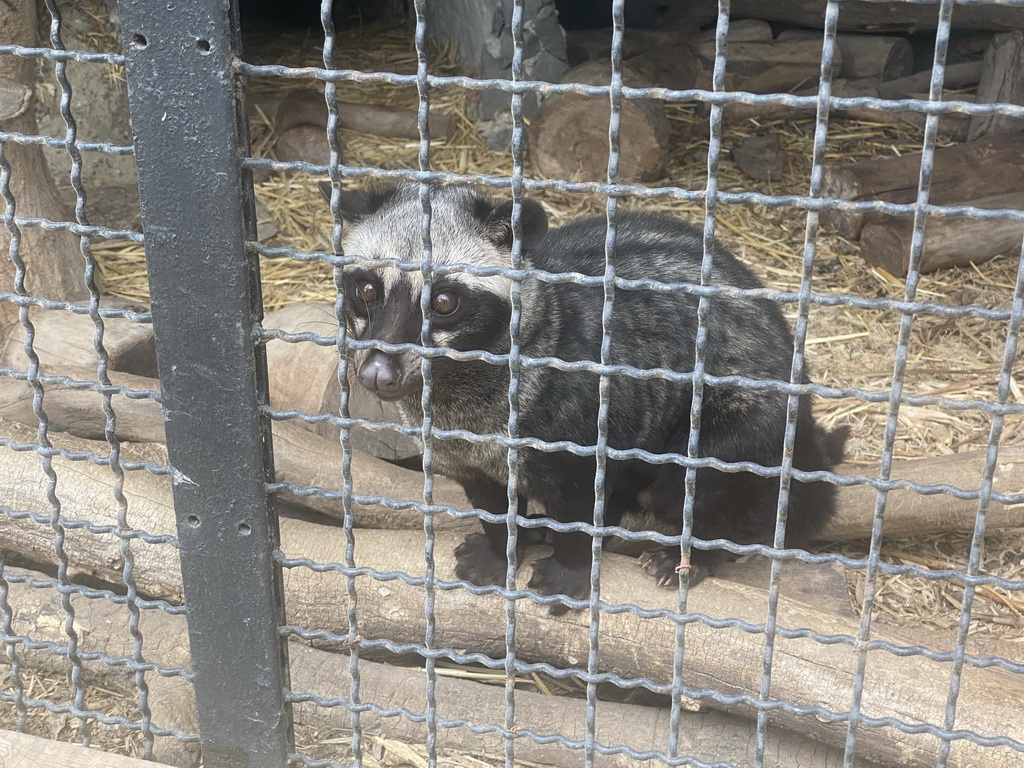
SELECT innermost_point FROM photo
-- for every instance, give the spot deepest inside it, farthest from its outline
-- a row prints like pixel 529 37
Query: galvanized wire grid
pixel 516 362
pixel 126 535
pixel 518 86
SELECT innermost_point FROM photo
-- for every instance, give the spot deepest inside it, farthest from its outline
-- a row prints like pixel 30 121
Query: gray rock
pixel 483 32
pixel 760 157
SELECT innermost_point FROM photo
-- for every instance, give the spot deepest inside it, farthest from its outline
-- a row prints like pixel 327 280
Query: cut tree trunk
pixel 879 57
pixel 911 689
pixel 56 268
pixel 870 16
pixel 770 66
pixel 961 75
pixel 569 133
pixel 304 377
pixel 989 166
pixel 948 241
pixel 309 460
pixel 66 339
pixel 104 627
pixel 1002 81
pixel 583 45
pixel 308 107
pixel 956 76
pixel 80 411
pixel 22 750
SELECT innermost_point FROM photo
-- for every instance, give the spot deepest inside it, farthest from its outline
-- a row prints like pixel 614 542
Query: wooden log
pixel 909 513
pixel 307 459
pixel 104 627
pixel 569 134
pixel 911 689
pixel 15 98
pixel 669 66
pixel 767 67
pixel 871 16
pixel 301 457
pixel 304 376
pixel 743 31
pixel 969 171
pixel 56 267
pixel 1002 81
pixel 22 750
pixel 886 58
pixel 80 411
pixel 947 241
pixel 882 57
pixel 583 45
pixel 65 338
pixel 964 74
pixel 308 107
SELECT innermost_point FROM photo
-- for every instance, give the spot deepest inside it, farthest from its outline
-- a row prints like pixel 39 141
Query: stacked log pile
pixel 777 48
pixel 986 172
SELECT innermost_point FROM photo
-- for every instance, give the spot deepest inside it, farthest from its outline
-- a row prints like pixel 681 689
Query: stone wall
pixel 482 30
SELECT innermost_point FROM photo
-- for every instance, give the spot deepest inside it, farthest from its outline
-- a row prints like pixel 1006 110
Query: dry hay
pixel 63 727
pixel 846 347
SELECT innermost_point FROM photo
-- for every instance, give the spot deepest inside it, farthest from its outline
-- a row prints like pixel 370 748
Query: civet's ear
pixel 357 204
pixel 533 219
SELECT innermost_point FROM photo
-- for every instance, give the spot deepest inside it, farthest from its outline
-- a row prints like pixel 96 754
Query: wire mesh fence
pixel 136 538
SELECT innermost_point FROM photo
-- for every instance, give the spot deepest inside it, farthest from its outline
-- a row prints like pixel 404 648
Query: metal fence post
pixel 197 211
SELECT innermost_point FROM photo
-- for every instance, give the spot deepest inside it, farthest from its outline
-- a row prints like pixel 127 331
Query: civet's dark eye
pixel 444 303
pixel 367 292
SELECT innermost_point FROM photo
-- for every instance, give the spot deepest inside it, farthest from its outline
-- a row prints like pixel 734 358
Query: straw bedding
pixel 846 347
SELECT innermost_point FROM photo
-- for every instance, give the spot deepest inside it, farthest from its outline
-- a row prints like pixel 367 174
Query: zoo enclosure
pixel 183 73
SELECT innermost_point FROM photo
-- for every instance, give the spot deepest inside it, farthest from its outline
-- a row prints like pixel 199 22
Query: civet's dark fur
pixel 749 337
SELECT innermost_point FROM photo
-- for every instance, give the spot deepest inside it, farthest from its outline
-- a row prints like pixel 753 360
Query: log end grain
pixel 569 134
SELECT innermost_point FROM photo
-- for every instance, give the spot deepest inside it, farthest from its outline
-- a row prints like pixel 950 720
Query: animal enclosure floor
pixel 846 347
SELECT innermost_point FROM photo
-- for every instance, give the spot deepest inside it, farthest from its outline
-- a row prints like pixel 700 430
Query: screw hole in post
pixel 192 520
pixel 244 529
pixel 139 41
pixel 203 46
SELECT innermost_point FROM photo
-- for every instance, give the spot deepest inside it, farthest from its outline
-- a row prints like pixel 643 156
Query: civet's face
pixel 383 299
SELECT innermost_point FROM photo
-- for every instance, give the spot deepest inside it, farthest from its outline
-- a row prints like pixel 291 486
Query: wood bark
pixel 65 339
pixel 669 66
pixel 569 134
pixel 300 457
pixel 805 672
pixel 55 267
pixel 21 750
pixel 947 241
pixel 910 514
pixel 304 376
pixel 104 627
pixel 80 411
pixel 989 166
pixel 15 98
pixel 769 66
pixel 308 107
pixel 963 74
pixel 883 57
pixel 308 460
pixel 1002 81
pixel 960 75
pixel 869 16
pixel 584 45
